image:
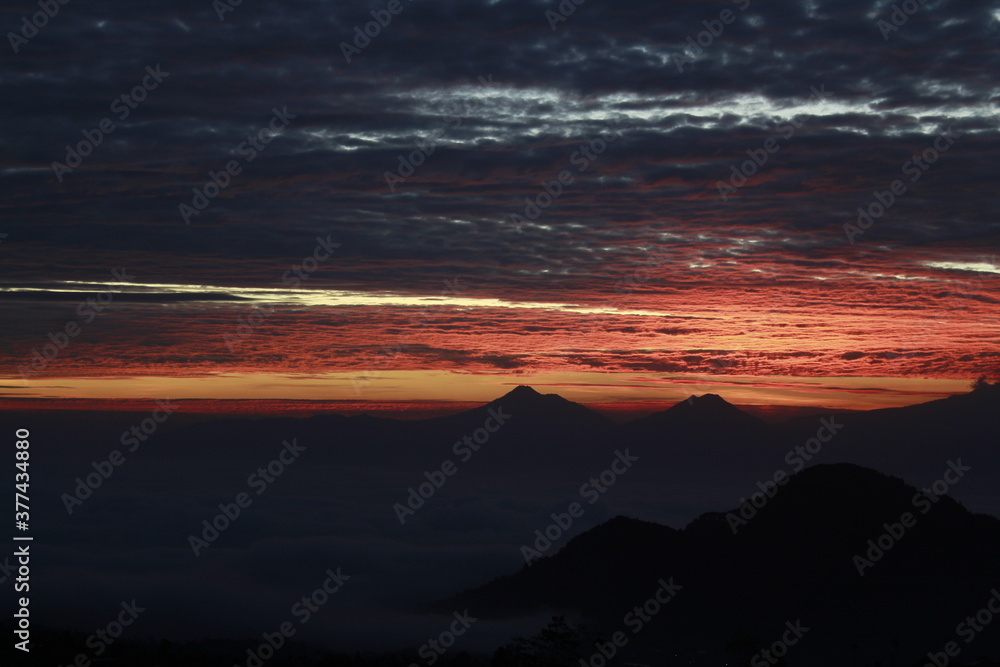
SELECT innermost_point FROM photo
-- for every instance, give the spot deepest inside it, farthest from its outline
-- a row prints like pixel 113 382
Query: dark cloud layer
pixel 508 103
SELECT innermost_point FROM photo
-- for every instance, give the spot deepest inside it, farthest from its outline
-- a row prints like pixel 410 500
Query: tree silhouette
pixel 981 382
pixel 557 645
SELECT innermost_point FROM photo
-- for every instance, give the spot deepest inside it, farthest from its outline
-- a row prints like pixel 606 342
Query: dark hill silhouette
pixel 793 560
pixel 916 441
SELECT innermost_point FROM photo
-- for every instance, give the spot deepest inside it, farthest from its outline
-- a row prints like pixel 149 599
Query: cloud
pixel 641 226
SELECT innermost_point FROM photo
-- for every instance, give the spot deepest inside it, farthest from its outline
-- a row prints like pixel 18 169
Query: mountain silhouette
pixel 915 441
pixel 707 407
pixel 695 433
pixel 532 407
pixel 793 559
pixel 539 430
pixel 704 439
pixel 699 414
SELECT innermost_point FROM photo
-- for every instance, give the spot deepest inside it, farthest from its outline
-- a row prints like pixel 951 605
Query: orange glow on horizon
pixel 421 387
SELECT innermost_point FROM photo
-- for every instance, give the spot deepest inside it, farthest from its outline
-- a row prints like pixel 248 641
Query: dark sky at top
pixel 686 118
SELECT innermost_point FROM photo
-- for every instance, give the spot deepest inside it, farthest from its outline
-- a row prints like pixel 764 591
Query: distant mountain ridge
pixel 702 438
pixel 536 407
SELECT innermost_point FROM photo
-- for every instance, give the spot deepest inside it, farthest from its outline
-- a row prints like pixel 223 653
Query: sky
pixel 783 202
